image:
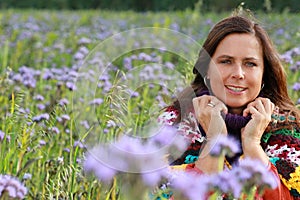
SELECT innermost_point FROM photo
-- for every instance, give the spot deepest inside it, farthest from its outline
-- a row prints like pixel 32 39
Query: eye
pixel 227 61
pixel 250 64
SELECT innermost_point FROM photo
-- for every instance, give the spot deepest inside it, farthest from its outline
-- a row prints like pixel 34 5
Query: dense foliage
pixel 155 5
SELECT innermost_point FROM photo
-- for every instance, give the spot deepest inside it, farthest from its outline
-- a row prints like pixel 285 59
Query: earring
pixel 262 86
pixel 205 81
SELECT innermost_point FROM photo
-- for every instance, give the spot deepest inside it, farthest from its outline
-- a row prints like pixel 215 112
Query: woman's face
pixel 236 70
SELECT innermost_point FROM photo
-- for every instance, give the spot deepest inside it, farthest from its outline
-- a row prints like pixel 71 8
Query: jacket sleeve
pixel 281 192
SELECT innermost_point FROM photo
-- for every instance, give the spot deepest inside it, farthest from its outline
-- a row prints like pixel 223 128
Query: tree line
pixel 155 5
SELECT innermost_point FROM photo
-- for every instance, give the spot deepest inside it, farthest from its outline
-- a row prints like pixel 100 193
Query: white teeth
pixel 235 89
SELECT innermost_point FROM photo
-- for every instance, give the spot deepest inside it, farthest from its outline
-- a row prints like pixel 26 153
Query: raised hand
pixel 208 113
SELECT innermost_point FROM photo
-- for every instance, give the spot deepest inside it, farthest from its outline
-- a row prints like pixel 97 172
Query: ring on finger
pixel 211 104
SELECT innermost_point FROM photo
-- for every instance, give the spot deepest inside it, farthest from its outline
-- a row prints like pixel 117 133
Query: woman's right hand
pixel 208 113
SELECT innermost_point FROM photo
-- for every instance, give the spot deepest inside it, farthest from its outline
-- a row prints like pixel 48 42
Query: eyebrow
pixel 231 57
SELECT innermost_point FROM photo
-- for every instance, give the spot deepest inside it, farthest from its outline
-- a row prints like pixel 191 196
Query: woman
pixel 240 90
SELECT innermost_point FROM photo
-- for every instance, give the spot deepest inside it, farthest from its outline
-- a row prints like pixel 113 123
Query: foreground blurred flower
pixel 248 179
pixel 224 145
pixel 142 162
pixel 12 187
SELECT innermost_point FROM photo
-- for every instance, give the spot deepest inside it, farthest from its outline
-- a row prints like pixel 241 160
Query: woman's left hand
pixel 261 110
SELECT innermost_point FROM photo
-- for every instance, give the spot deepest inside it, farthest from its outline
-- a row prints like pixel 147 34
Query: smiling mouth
pixel 235 89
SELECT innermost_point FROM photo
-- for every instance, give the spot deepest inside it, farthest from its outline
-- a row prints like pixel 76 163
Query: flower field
pixel 71 80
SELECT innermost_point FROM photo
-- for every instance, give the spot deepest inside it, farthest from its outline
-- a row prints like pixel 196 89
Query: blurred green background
pixel 155 5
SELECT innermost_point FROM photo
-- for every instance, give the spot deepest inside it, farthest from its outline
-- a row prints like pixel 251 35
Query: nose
pixel 238 72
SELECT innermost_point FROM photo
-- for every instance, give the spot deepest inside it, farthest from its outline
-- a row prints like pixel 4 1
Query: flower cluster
pixel 135 155
pixel 12 187
pixel 224 145
pixel 249 177
pixel 242 180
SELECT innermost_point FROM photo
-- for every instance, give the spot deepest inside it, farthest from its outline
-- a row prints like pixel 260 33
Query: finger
pixel 221 107
pixel 200 102
pixel 268 105
pixel 217 106
pixel 246 112
pixel 259 105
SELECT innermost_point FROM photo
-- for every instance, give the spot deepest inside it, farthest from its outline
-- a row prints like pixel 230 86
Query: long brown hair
pixel 274 78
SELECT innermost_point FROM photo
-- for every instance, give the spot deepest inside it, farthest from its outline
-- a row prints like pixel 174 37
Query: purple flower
pixel 41 106
pixel 38 97
pixel 127 63
pixel 67 150
pixel 54 129
pixel 42 142
pixel 2 134
pixel 63 102
pixel 65 117
pixel 79 144
pixel 84 40
pixel 145 57
pixel 27 176
pixel 152 178
pixel 96 101
pixel 192 186
pixel 224 145
pixel 169 65
pixel 256 174
pixel 79 56
pixel 85 123
pixel 41 117
pixel 93 165
pixel 296 86
pixel 132 93
pixel 71 86
pixel 12 186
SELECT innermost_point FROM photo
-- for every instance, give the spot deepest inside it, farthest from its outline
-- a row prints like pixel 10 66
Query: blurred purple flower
pixel 12 186
pixel 280 31
pixel 54 129
pixel 111 124
pixel 105 131
pixel 27 176
pixel 79 56
pixel 153 178
pixel 71 86
pixel 79 144
pixel 133 93
pixel 93 165
pixel 224 145
pixel 65 117
pixel 145 57
pixel 67 150
pixel 84 40
pixel 42 142
pixel 41 117
pixel 48 75
pixel 38 97
pixel 256 174
pixel 41 106
pixel 97 101
pixel 85 123
pixel 2 134
pixel 296 86
pixel 191 185
pixel 127 63
pixel 63 102
pixel 169 65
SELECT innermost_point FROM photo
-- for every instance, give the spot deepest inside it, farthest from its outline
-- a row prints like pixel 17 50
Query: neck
pixel 237 111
